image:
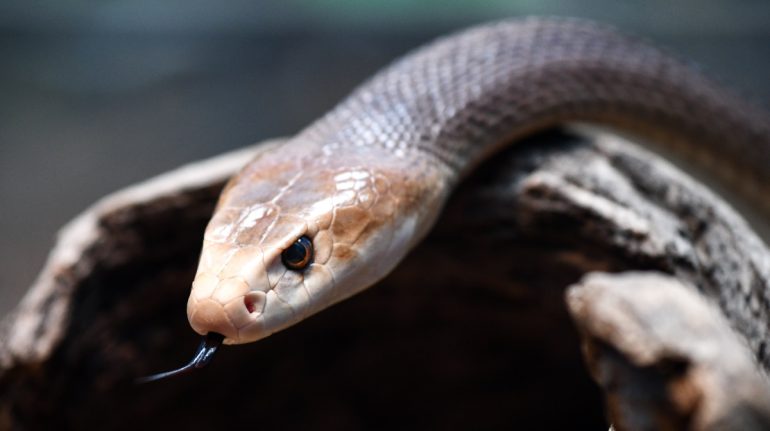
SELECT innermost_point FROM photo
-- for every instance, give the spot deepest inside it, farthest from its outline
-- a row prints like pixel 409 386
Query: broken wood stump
pixel 471 330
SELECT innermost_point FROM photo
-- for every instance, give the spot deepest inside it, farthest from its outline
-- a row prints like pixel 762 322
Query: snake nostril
pixel 249 303
pixel 254 302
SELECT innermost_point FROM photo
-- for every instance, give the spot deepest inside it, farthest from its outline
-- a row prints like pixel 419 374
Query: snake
pixel 333 209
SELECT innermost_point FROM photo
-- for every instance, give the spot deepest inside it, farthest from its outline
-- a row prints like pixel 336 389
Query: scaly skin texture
pixel 361 212
pixel 366 182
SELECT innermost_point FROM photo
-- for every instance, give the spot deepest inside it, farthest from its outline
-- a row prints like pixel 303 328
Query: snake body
pixel 366 182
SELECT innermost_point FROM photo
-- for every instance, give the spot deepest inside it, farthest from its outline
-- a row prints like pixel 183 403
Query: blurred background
pixel 96 95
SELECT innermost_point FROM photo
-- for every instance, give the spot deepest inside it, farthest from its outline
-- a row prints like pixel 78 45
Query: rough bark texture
pixel 667 359
pixel 471 331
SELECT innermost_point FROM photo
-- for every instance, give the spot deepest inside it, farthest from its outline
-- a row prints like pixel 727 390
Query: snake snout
pixel 210 316
pixel 229 309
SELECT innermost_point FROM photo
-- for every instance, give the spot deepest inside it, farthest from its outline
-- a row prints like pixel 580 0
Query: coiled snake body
pixel 335 208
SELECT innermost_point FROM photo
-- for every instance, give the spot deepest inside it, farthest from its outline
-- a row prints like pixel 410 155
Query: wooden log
pixel 471 331
pixel 666 358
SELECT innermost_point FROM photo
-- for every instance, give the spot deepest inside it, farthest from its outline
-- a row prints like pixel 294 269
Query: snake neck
pixel 465 97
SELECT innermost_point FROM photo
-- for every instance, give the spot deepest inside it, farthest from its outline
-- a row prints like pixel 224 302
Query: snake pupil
pixel 299 254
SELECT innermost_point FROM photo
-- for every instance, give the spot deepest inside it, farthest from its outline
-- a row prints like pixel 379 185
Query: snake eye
pixel 298 255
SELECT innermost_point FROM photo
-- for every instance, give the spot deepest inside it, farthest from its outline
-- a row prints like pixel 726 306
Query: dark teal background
pixel 96 95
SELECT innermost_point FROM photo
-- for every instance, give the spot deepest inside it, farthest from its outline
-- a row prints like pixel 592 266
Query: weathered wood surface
pixel 472 330
pixel 667 359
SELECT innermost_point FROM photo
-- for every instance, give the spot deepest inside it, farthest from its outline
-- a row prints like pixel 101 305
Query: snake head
pixel 296 231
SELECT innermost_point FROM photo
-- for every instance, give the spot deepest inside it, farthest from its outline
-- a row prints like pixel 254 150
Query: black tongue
pixel 202 357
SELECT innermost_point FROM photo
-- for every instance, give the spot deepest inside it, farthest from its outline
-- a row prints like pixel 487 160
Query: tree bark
pixel 665 357
pixel 470 331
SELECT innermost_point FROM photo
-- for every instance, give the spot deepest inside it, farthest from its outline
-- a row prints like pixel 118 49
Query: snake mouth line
pixel 202 357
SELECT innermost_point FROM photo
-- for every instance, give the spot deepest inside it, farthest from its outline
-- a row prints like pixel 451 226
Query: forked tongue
pixel 203 356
